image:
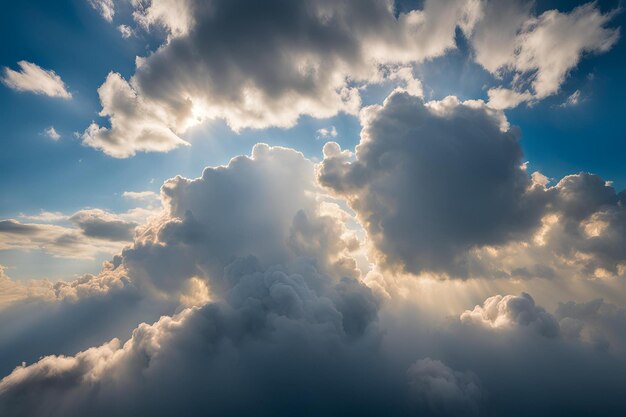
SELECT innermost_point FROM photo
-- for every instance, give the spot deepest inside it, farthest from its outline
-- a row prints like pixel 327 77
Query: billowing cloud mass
pixel 441 187
pixel 433 180
pixel 292 59
pixel 540 51
pixel 499 311
pixel 255 279
pixel 443 390
pixel 32 78
pixel 313 58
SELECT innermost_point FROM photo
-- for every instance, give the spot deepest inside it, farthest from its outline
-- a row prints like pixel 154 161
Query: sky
pixel 362 207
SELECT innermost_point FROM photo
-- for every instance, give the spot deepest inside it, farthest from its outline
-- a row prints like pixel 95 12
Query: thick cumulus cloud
pixel 433 180
pixel 506 311
pixel 282 321
pixel 266 205
pixel 257 66
pixel 441 187
pixel 286 314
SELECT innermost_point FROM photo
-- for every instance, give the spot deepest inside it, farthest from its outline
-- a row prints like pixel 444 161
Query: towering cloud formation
pixel 280 319
pixel 433 180
pixel 441 187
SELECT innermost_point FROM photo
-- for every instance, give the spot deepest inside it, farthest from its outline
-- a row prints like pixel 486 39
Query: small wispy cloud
pixel 324 133
pixel 32 78
pixel 106 8
pixel 51 133
pixel 125 30
pixel 140 195
pixel 572 100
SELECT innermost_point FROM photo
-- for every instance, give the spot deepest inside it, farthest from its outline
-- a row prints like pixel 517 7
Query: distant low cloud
pixel 32 78
pixel 140 195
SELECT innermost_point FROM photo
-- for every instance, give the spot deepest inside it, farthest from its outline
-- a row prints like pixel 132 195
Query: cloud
pixel 443 390
pixel 106 8
pixel 135 124
pixel 539 51
pixel 596 322
pixel 45 216
pixel 236 211
pixel 325 133
pixel 432 181
pixel 125 30
pixel 314 58
pixel 269 74
pixel 90 232
pixel 32 78
pixel 140 195
pixel 440 188
pixel 507 311
pixel 281 312
pixel 100 224
pixel 52 133
pixel 572 100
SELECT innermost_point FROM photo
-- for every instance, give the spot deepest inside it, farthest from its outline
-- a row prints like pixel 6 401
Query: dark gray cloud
pixel 444 391
pixel 99 224
pixel 432 181
pixel 441 187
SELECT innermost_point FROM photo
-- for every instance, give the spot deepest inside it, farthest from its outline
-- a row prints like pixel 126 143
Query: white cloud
pixel 540 51
pixel 106 8
pixel 324 133
pixel 572 100
pixel 125 30
pixel 207 68
pixel 140 195
pixel 135 124
pixel 32 78
pixel 92 231
pixel 510 311
pixel 52 133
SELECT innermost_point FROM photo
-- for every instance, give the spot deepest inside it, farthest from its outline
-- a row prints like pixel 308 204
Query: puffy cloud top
pixel 433 180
